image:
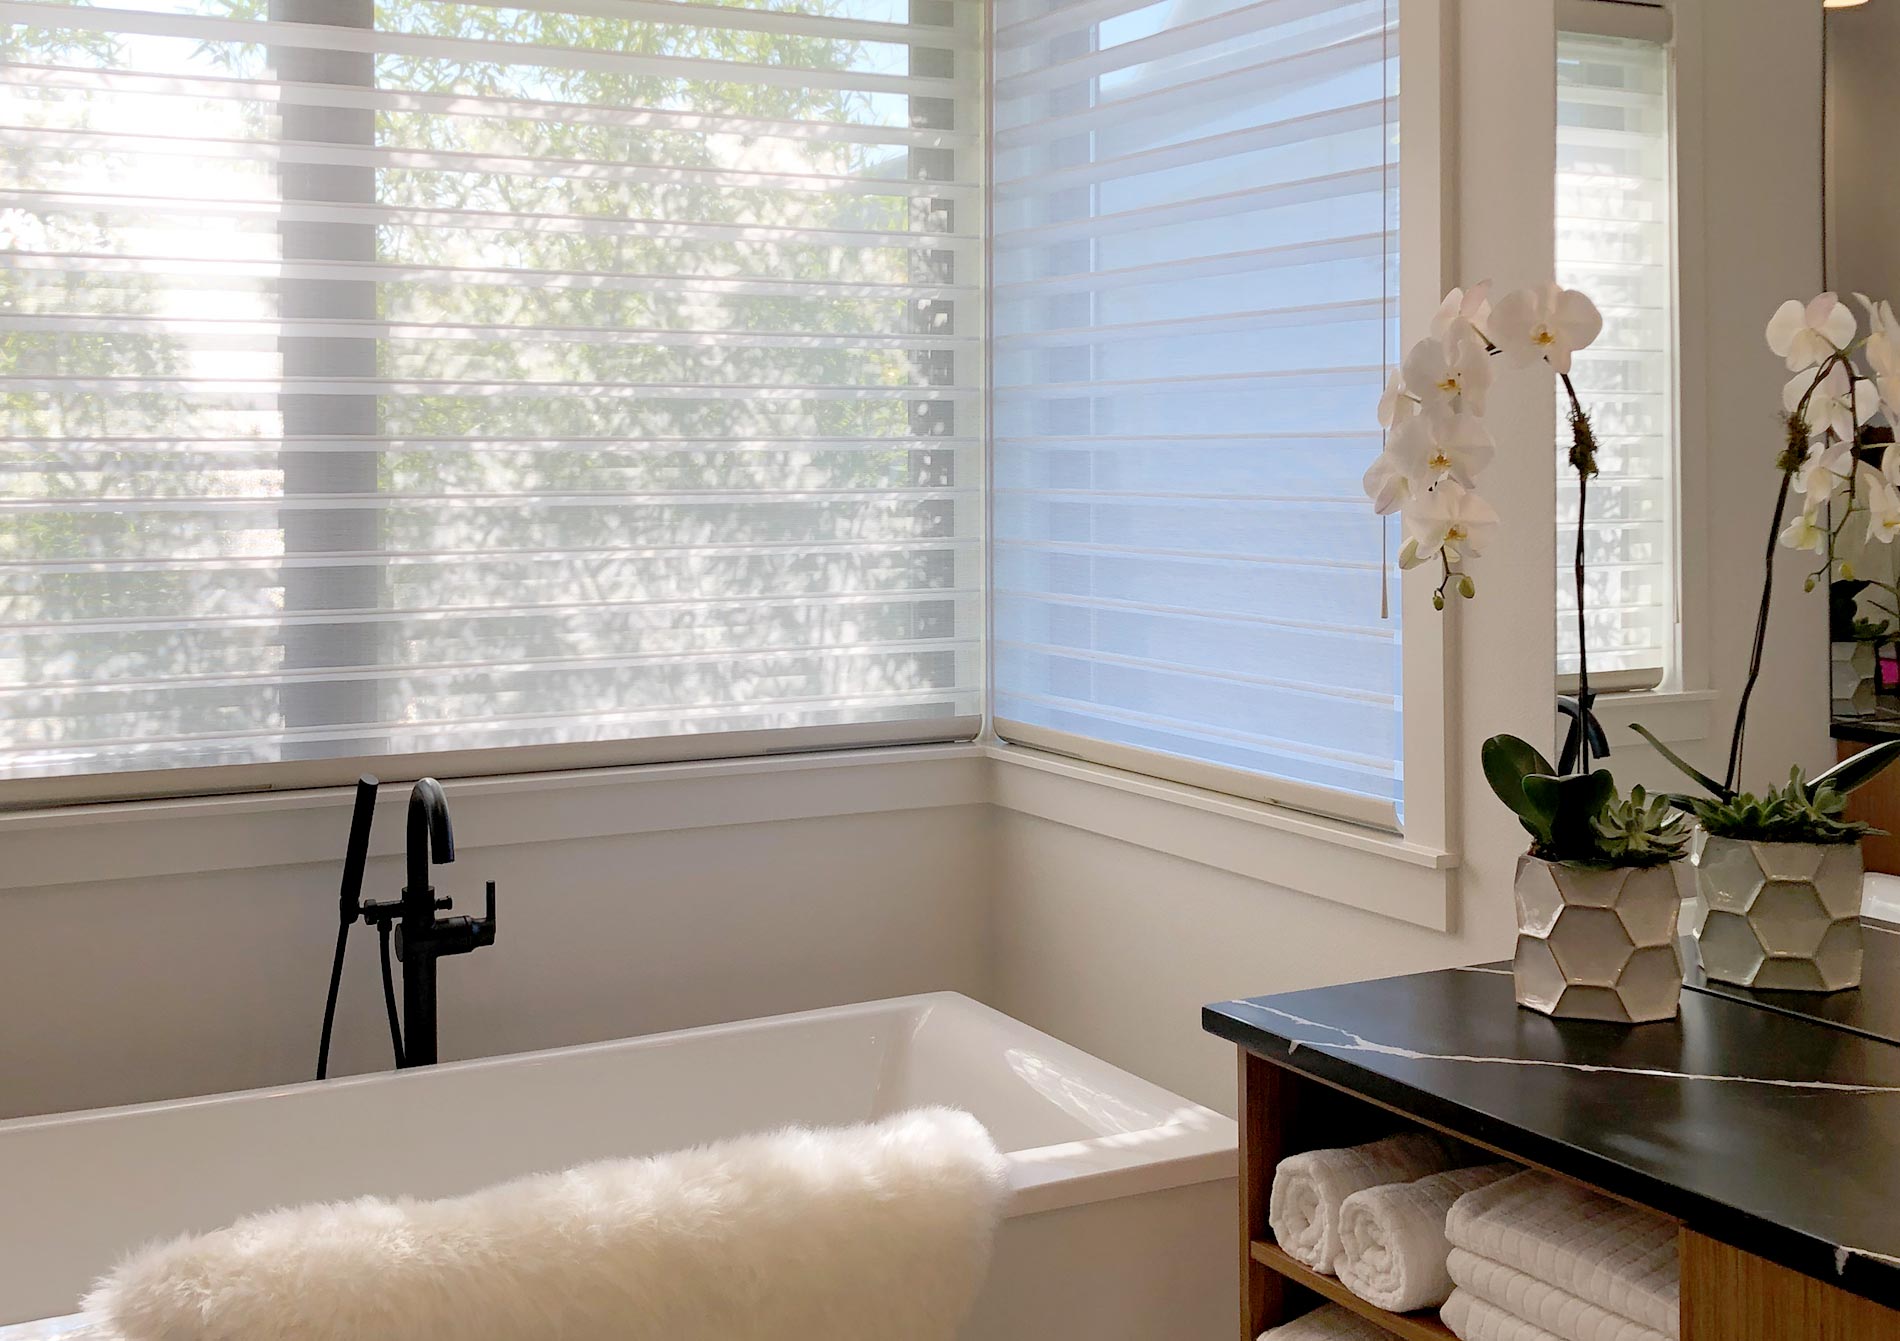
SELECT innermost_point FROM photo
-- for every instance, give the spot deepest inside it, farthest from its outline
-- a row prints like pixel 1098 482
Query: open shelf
pixel 1423 1326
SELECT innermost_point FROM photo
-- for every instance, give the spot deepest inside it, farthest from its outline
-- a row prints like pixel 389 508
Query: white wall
pixel 138 989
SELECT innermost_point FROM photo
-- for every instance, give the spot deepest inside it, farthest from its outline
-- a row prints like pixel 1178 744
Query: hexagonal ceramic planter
pixel 1783 917
pixel 1596 944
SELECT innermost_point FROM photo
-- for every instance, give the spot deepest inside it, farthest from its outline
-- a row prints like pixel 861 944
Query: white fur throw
pixel 878 1232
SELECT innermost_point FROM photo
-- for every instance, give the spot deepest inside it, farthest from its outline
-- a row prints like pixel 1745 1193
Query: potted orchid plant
pixel 1596 901
pixel 1778 872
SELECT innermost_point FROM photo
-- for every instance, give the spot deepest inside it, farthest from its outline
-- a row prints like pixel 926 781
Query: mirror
pixel 1861 254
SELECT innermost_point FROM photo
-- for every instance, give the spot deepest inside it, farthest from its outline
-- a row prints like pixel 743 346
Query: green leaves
pixel 1572 805
pixel 1800 812
pixel 1863 768
pixel 1580 819
pixel 1507 762
pixel 1707 783
pixel 1642 830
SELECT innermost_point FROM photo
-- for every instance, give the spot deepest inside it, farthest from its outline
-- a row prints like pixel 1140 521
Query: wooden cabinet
pixel 1727 1294
pixel 1878 804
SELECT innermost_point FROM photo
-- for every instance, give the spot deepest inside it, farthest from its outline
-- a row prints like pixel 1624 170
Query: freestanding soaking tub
pixel 1119 1225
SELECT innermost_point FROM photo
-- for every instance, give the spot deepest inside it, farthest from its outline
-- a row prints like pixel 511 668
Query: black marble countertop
pixel 1868 730
pixel 1776 1134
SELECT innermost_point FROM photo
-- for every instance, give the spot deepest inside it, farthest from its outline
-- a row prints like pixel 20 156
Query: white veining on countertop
pixel 1357 1043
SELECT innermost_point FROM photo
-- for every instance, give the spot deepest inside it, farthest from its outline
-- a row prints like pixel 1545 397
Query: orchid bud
pixel 1466 587
pixel 1438 600
pixel 1809 584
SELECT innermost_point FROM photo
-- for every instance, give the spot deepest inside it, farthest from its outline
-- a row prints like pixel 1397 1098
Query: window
pixel 392 377
pixel 1615 240
pixel 1194 304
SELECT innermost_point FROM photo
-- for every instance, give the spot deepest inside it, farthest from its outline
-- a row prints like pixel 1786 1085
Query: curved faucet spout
pixel 431 836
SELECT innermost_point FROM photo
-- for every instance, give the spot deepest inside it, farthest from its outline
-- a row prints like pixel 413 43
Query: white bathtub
pixel 1120 1224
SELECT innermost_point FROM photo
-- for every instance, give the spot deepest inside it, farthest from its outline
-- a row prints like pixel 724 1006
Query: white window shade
pixel 1614 241
pixel 1195 265
pixel 412 376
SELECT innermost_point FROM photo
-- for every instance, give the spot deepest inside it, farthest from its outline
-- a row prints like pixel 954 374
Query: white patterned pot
pixel 1596 943
pixel 1783 917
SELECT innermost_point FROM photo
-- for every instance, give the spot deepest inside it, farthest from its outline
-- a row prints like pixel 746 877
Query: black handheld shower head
pixel 350 898
pixel 349 904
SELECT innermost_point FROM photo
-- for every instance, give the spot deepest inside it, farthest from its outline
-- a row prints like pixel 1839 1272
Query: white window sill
pixel 145 839
pixel 1677 717
pixel 1328 859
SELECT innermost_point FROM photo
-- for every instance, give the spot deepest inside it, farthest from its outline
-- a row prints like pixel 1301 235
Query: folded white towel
pixel 1542 1304
pixel 1308 1189
pixel 1330 1322
pixel 1614 1256
pixel 879 1232
pixel 1472 1319
pixel 1392 1238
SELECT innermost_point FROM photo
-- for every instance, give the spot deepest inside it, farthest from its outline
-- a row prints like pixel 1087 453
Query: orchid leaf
pixel 1859 770
pixel 1508 761
pixel 1688 769
pixel 1574 804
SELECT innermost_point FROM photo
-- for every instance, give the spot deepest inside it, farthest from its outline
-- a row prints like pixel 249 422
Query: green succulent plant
pixel 1579 819
pixel 1802 811
pixel 1641 830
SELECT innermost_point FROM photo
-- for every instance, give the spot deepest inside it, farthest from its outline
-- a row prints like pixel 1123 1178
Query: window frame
pixel 1676 705
pixel 1427 246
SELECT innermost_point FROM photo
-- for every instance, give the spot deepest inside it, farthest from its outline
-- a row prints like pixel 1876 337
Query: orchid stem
pixel 1583 460
pixel 1789 464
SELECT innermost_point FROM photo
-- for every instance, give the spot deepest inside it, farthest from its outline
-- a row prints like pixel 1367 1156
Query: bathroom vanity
pixel 1772 1138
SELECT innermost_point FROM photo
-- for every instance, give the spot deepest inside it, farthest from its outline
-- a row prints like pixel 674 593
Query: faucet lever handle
pixel 485 924
pixel 459 935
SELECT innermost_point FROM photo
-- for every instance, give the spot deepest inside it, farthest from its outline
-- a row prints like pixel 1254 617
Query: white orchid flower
pixel 1826 468
pixel 1459 450
pixel 1550 323
pixel 1470 306
pixel 1397 404
pixel 1449 376
pixel 1806 531
pixel 1449 520
pixel 1807 334
pixel 1400 472
pixel 1840 404
pixel 1883 512
pixel 1883 352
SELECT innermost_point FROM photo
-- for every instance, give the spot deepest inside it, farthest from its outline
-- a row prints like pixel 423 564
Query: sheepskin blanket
pixel 879 1232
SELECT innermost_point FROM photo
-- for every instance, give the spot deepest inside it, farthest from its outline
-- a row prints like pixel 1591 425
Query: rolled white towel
pixel 1308 1188
pixel 1617 1257
pixel 879 1232
pixel 1392 1238
pixel 1561 1314
pixel 1330 1322
pixel 1472 1319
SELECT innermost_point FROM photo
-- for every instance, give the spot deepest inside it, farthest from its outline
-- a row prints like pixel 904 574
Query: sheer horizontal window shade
pixel 404 377
pixel 1195 262
pixel 1614 240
